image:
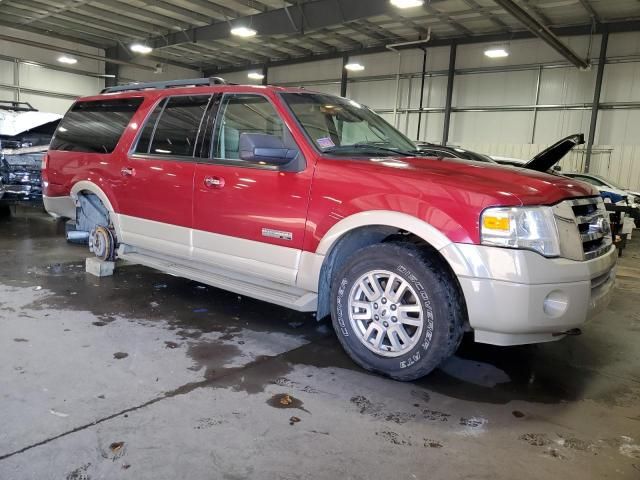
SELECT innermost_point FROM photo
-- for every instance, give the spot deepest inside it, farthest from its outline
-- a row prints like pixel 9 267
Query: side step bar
pixel 268 291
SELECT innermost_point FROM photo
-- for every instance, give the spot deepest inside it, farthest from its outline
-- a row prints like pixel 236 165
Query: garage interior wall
pixel 32 74
pixel 513 107
pixel 494 100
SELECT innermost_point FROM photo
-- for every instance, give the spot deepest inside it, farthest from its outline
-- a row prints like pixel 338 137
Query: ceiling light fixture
pixel 67 60
pixel 354 67
pixel 255 76
pixel 140 48
pixel 496 53
pixel 407 3
pixel 243 32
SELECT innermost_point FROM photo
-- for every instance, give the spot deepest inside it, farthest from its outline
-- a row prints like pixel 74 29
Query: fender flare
pixel 388 218
pixel 314 265
pixel 87 186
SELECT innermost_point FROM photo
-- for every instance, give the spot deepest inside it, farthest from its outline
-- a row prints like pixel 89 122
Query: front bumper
pixel 515 297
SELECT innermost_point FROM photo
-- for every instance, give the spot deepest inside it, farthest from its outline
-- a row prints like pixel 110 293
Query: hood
pixel 553 154
pixel 14 123
pixel 496 184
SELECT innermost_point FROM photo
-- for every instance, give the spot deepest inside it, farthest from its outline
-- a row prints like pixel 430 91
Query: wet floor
pixel 189 381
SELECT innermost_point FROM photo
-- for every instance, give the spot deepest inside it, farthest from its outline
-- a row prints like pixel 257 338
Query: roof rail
pixel 17 106
pixel 191 82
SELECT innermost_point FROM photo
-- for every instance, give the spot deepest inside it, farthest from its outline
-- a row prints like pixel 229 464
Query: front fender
pixel 401 221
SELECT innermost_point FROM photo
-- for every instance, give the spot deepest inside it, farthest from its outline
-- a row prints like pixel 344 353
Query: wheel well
pixel 354 240
pixel 91 212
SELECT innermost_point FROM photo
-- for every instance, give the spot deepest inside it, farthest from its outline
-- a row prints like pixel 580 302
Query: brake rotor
pixel 102 243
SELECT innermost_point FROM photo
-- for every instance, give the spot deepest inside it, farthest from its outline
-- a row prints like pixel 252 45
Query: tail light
pixel 45 162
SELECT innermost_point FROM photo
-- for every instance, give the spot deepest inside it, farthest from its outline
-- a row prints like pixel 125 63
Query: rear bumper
pixel 516 297
pixel 57 207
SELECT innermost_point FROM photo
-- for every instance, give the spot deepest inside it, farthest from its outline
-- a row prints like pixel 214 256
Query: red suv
pixel 314 202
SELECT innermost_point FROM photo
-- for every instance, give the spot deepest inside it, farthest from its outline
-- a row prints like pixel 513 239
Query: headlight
pixel 529 228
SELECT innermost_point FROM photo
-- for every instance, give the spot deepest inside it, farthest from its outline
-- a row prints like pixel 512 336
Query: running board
pixel 268 291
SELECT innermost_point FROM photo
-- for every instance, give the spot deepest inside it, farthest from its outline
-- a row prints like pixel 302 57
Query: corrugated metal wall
pixel 563 98
pixel 562 107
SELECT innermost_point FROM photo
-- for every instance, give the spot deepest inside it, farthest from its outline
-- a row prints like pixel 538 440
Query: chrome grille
pixel 583 227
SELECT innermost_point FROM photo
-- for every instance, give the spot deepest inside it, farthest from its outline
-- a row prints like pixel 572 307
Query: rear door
pixel 155 192
pixel 250 216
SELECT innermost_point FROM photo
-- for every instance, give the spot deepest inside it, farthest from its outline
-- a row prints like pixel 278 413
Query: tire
pixel 428 306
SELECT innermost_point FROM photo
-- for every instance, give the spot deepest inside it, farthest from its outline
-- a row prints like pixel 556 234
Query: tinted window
pixel 94 127
pixel 147 132
pixel 245 114
pixel 176 131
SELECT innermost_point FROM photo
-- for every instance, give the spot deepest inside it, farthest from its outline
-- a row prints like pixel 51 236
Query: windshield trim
pixel 315 146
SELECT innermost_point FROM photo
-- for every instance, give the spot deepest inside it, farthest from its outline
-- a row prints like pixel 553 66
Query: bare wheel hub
pixel 385 313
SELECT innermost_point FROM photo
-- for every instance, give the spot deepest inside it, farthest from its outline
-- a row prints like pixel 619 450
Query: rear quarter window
pixel 96 126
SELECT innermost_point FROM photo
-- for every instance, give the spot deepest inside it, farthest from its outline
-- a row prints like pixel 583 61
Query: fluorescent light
pixel 354 67
pixel 243 31
pixel 140 48
pixel 68 60
pixel 496 53
pixel 407 3
pixel 255 76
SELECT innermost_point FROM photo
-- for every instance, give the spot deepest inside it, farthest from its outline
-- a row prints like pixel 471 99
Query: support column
pixel 111 68
pixel 424 72
pixel 447 107
pixel 534 123
pixel 265 74
pixel 595 106
pixel 344 77
pixel 16 79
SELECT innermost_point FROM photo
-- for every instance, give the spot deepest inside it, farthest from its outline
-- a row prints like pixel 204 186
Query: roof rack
pixel 191 82
pixel 17 106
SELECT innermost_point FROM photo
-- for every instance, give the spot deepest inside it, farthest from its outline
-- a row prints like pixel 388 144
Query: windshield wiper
pixel 372 146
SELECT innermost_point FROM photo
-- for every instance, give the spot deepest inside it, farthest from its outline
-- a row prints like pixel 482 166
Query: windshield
pixel 608 182
pixel 340 126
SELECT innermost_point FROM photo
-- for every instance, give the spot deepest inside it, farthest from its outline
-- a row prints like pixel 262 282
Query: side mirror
pixel 269 149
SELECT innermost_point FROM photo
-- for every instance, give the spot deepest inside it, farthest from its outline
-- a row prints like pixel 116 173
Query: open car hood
pixel 553 154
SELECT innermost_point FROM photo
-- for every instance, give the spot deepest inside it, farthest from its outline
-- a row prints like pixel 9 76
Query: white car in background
pixel 605 185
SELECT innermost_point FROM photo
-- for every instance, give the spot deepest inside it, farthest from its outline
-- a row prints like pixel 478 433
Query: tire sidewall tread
pixel 439 294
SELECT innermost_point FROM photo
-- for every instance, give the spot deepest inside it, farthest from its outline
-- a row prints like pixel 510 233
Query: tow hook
pixel 573 331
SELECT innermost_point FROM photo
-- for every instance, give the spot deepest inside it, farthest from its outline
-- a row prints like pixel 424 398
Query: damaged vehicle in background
pixel 25 134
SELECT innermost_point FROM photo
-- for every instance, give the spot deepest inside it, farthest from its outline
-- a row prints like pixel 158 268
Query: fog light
pixel 555 304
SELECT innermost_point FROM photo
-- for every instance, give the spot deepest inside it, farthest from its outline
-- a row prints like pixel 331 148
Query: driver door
pixel 249 217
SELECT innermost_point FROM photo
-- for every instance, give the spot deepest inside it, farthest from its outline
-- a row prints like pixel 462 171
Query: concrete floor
pixel 147 376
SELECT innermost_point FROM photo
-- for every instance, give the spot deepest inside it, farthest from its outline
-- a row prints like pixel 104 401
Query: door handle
pixel 127 172
pixel 214 182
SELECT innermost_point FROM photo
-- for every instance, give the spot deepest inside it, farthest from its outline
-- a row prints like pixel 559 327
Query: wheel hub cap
pixel 385 313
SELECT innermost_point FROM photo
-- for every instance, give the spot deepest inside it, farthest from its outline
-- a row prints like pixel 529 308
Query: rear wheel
pixel 397 310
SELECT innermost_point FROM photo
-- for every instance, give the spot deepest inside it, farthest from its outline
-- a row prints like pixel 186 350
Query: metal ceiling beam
pixel 45 46
pixel 612 27
pixel 590 10
pixel 535 9
pixel 162 20
pixel 314 14
pixel 543 32
pixel 89 42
